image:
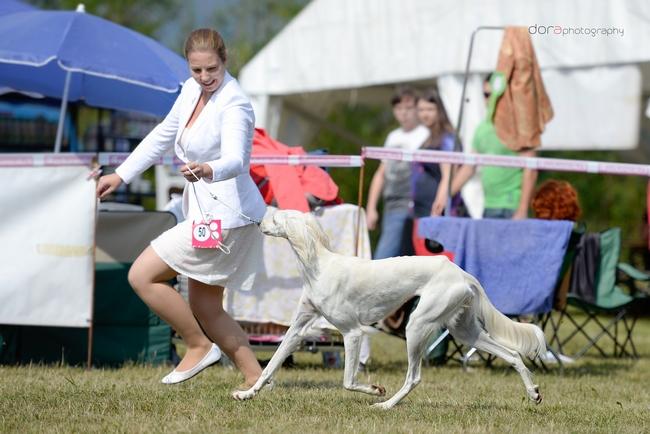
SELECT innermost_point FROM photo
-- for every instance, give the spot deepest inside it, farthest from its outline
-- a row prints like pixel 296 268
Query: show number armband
pixel 206 235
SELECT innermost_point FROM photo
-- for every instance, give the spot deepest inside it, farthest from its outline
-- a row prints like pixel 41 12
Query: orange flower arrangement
pixel 556 200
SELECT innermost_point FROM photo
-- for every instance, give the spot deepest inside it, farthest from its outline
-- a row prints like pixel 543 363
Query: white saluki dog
pixel 353 293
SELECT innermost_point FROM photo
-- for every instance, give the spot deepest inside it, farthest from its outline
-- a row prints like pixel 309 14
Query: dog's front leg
pixel 352 342
pixel 291 341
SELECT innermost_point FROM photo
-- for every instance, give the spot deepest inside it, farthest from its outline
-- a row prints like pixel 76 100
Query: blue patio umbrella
pixel 75 56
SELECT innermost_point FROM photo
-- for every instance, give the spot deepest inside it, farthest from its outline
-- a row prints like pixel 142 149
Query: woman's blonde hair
pixel 205 40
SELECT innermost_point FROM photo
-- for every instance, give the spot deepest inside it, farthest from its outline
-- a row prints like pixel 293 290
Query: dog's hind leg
pixel 416 340
pixel 467 332
pixel 435 308
pixel 352 341
pixel 292 339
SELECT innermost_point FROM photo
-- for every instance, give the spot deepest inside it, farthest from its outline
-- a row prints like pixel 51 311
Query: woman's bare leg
pixel 148 277
pixel 206 302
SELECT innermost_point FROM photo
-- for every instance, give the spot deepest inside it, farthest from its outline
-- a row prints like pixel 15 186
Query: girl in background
pixel 431 180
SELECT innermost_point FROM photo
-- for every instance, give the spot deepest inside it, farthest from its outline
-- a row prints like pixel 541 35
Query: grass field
pixel 595 395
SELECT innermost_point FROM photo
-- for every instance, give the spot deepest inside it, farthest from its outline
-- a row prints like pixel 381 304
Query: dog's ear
pixel 316 230
pixel 292 227
pixel 299 236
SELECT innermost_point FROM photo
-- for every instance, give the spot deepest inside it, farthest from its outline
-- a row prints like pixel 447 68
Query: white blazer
pixel 222 136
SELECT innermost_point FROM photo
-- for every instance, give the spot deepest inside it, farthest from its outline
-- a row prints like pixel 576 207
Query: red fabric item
pixel 261 178
pixel 289 184
pixel 421 249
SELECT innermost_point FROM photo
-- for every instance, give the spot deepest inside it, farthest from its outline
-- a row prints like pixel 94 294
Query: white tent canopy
pixel 358 51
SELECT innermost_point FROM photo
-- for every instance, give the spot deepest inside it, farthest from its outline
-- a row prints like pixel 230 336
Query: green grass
pixel 595 394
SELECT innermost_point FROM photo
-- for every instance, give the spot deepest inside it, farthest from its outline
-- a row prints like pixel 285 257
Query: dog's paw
pixel 382 405
pixel 242 395
pixel 381 390
pixel 536 397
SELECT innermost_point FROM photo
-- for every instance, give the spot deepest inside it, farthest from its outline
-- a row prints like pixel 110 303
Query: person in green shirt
pixel 507 190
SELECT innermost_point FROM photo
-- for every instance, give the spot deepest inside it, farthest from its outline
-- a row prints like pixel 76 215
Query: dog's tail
pixel 527 339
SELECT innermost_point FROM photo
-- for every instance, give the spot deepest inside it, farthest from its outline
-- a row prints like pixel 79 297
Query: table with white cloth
pixel 266 311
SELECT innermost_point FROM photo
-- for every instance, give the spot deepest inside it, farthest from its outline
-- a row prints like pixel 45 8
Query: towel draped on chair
pixel 516 261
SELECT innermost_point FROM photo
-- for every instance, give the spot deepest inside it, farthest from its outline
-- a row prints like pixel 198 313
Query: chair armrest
pixel 633 272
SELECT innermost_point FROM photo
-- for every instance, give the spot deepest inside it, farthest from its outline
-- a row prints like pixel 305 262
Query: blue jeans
pixel 390 240
pixel 498 213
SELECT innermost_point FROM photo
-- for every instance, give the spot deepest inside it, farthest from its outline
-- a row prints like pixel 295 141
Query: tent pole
pixel 460 114
pixel 64 105
pixel 360 202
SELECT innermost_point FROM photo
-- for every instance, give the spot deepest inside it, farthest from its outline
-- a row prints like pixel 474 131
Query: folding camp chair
pixel 595 292
pixel 549 321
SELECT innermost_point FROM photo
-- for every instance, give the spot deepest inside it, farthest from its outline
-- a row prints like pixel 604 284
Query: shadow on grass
pixel 473 407
pixel 389 366
pixel 603 368
pixel 308 384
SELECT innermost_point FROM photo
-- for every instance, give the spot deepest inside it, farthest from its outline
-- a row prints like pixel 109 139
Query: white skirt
pixel 235 270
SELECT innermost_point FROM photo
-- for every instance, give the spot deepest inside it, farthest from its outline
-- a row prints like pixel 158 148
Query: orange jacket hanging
pixel 289 185
pixel 524 108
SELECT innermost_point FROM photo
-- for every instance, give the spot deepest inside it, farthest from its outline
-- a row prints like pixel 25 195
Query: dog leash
pixel 214 196
pixel 206 217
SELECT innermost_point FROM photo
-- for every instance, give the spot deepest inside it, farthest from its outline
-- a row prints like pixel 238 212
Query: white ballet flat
pixel 213 356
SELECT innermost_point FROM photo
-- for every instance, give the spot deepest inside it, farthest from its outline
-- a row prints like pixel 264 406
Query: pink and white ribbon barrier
pixel 376 153
pixel 561 165
pixel 117 158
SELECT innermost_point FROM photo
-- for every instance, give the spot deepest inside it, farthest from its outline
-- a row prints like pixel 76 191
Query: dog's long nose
pixel 262 227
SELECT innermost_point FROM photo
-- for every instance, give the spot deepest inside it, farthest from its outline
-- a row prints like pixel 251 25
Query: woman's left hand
pixel 193 171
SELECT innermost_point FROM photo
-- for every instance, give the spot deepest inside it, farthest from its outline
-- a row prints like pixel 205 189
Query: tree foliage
pixel 247 25
pixel 144 16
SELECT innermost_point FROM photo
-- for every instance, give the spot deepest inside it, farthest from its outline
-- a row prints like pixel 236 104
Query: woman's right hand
pixel 108 184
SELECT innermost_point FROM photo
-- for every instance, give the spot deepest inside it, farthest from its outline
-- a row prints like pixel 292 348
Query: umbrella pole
pixel 95 166
pixel 64 106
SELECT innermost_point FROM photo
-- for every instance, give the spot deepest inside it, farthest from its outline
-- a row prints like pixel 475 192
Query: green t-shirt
pixel 501 185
